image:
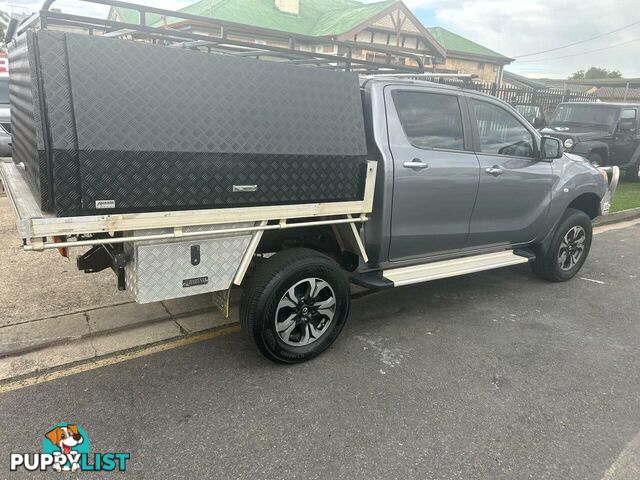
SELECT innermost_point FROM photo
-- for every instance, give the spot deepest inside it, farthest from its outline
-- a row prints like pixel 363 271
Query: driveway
pixel 493 376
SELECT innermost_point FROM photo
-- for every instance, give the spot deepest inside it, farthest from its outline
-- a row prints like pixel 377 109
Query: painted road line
pixel 627 465
pixel 114 360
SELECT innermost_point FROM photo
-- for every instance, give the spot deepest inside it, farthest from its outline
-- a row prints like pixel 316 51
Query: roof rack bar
pixel 174 37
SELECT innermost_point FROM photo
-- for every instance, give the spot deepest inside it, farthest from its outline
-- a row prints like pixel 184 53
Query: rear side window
pixel 430 120
pixel 501 133
pixel 629 114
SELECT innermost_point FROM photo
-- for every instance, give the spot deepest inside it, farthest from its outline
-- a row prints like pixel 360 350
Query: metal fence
pixel 546 98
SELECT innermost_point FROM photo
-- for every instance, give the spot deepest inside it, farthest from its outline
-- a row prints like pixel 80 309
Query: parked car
pixel 5 118
pixel 533 114
pixel 604 133
pixel 292 182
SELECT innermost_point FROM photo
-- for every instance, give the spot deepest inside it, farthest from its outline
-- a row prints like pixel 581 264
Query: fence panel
pixel 546 98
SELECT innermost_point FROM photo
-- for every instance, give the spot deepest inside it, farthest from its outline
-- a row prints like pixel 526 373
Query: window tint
pixel 430 120
pixel 501 133
pixel 530 112
pixel 629 113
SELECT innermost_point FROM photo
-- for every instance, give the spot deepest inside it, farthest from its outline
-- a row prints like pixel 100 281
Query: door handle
pixel 416 164
pixel 495 171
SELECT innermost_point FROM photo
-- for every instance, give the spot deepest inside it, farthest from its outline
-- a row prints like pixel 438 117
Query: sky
pixel 511 27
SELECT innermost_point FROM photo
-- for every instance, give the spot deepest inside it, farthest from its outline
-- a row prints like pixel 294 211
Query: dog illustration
pixel 66 438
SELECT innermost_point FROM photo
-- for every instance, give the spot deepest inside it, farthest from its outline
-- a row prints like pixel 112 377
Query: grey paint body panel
pixel 431 207
pixel 513 208
pixel 520 208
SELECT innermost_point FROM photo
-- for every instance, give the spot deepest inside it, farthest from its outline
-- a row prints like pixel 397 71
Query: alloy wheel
pixel 572 248
pixel 305 312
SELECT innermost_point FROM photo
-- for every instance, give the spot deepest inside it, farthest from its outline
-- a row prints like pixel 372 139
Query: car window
pixel 530 112
pixel 430 120
pixel 501 133
pixel 629 113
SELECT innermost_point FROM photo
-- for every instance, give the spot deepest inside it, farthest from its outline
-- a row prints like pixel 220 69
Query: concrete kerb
pixel 36 347
pixel 188 315
pixel 618 217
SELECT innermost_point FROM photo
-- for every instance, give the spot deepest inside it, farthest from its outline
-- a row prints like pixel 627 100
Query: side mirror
pixel 550 148
pixel 539 123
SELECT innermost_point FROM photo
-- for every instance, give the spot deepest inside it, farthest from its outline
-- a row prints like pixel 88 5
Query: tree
pixel 595 73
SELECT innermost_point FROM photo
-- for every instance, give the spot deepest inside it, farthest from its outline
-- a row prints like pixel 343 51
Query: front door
pixel 436 172
pixel 515 187
pixel 627 137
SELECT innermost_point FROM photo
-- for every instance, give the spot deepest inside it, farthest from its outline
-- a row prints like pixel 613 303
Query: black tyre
pixel 569 248
pixel 295 305
pixel 595 159
pixel 632 173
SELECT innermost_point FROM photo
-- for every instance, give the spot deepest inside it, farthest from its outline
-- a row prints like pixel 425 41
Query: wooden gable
pixel 398 19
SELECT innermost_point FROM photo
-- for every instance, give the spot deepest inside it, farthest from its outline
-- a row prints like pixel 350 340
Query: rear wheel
pixel 569 248
pixel 296 305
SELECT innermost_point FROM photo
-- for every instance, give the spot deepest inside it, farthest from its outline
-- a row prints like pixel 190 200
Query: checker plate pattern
pixel 158 269
pixel 147 181
pixel 157 128
pixel 26 124
pixel 130 96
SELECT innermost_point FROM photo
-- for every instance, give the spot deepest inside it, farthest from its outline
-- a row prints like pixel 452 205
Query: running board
pixel 452 268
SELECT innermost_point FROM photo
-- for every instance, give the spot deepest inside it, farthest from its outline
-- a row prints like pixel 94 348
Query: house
pixel 273 22
pixel 387 23
pixel 514 80
pixel 465 56
pixel 612 89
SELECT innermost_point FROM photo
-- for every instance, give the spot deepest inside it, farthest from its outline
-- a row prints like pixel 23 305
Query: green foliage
pixel 627 196
pixel 595 73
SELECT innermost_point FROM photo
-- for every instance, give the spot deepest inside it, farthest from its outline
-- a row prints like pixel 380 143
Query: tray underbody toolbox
pixel 164 270
pixel 105 126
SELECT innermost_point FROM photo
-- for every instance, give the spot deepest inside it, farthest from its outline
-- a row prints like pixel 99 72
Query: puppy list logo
pixel 66 448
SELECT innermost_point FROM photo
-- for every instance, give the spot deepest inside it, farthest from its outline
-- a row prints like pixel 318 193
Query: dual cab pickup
pixel 400 182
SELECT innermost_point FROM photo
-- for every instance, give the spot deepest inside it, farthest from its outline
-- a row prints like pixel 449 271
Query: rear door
pixel 436 171
pixel 515 187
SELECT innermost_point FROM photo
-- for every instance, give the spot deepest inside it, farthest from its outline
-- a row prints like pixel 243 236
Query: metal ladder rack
pixel 395 60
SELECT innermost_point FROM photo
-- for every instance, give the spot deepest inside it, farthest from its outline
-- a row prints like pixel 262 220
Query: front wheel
pixel 632 173
pixel 296 305
pixel 569 248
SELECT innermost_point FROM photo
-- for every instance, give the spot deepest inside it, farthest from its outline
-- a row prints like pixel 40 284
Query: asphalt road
pixel 493 376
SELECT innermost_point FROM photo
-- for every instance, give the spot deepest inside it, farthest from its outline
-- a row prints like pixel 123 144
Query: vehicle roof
pixel 393 80
pixel 605 104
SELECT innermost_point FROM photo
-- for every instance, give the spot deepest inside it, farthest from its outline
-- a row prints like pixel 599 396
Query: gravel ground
pixel 39 285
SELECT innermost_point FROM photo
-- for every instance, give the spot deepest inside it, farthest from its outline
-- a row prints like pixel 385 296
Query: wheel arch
pixel 341 242
pixel 588 203
pixel 587 148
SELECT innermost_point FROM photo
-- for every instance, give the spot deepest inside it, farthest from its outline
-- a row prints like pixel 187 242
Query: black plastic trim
pixel 372 280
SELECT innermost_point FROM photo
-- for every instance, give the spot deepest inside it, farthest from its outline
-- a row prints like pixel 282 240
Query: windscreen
pixel 587 114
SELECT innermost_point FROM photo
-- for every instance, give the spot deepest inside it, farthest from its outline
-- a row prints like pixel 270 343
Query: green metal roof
pixel 455 43
pixel 317 17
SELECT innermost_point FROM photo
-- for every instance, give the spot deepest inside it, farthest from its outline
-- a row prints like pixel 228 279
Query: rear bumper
pixel 613 175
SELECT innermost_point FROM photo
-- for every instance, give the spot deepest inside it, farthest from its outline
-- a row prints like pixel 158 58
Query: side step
pixel 452 268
